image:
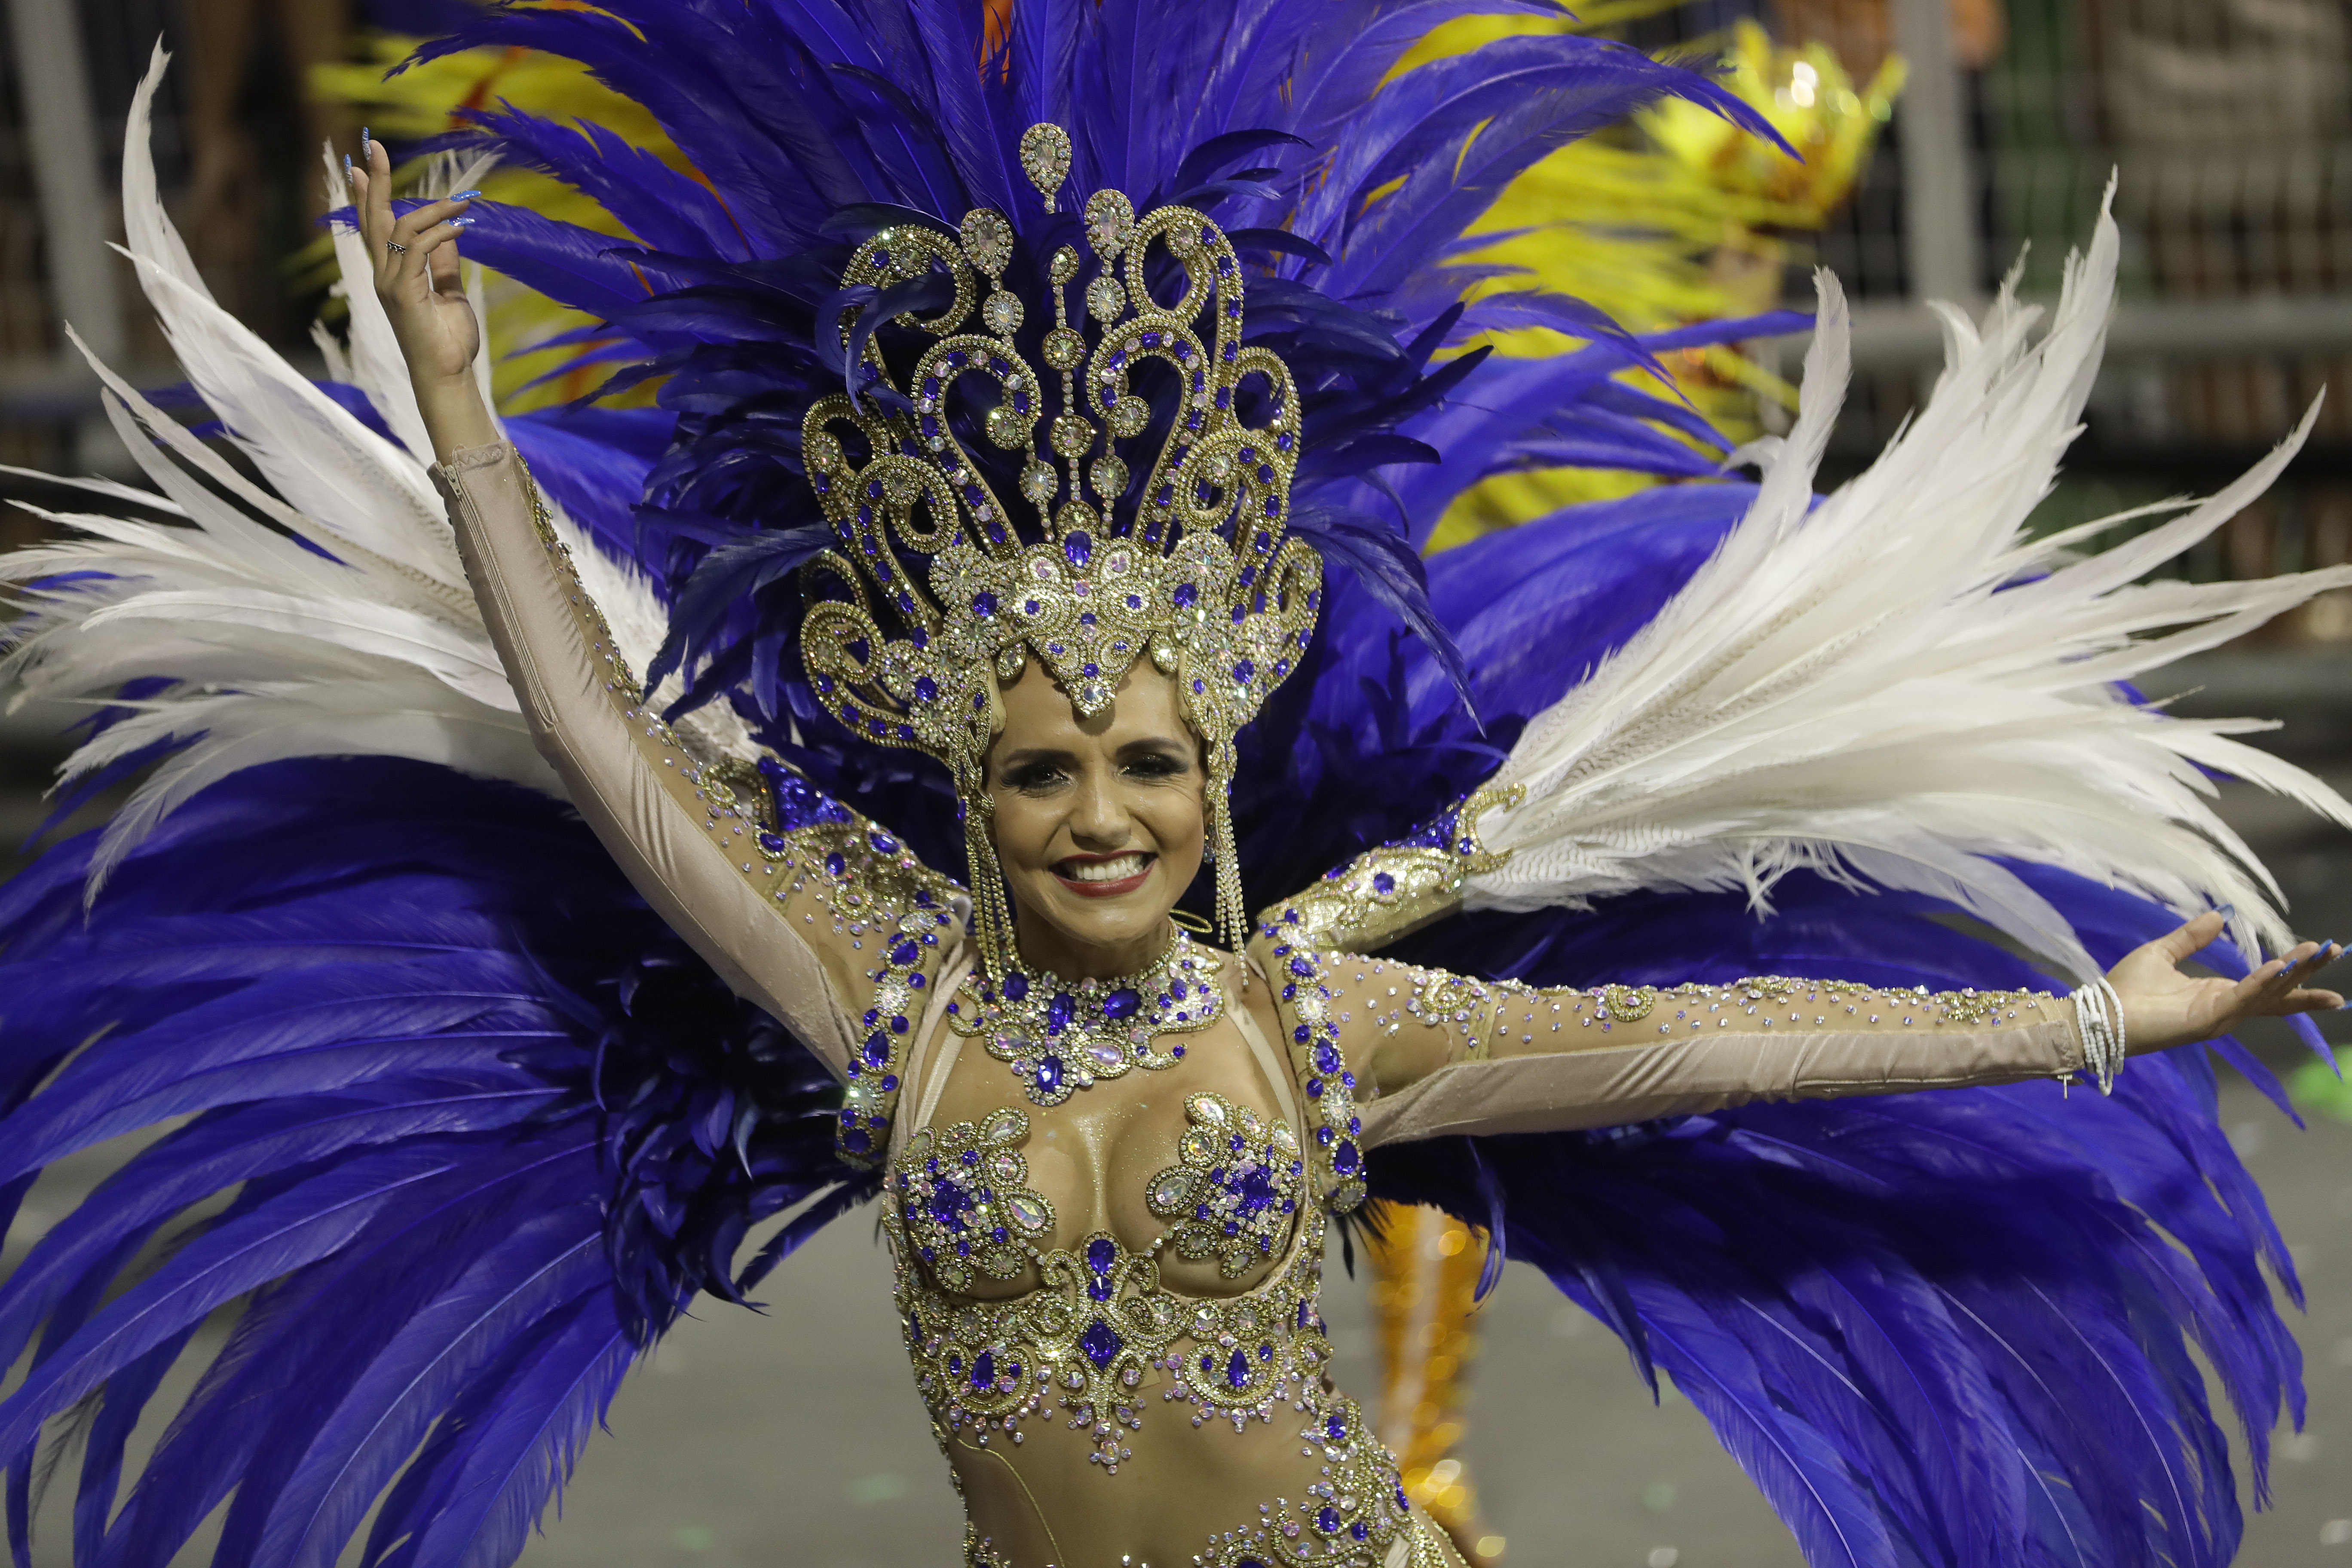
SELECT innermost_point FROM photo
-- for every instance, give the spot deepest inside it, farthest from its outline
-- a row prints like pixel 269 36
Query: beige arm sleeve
pixel 771 924
pixel 1452 1055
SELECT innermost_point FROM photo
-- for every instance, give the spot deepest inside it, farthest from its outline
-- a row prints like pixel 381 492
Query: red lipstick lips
pixel 1104 889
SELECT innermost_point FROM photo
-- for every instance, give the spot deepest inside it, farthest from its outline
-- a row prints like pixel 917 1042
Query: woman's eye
pixel 1155 766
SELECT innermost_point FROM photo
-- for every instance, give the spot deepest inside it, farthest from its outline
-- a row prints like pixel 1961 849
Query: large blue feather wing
pixel 427 1036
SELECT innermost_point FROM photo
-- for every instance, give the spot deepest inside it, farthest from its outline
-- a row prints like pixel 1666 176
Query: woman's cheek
pixel 1017 846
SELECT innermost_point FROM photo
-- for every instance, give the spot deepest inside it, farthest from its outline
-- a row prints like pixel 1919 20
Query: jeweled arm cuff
pixel 1387 893
pixel 1553 1063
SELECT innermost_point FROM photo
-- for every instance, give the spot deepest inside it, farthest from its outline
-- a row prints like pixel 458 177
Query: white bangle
pixel 2099 1020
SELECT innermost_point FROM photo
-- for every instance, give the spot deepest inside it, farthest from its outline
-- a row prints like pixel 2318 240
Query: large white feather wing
pixel 322 613
pixel 1900 686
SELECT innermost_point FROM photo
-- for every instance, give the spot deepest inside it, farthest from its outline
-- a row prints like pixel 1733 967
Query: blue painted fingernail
pixel 461 195
pixel 347 164
pixel 2227 911
pixel 467 222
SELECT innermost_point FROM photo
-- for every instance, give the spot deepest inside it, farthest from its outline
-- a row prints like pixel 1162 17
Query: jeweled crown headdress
pixel 1191 566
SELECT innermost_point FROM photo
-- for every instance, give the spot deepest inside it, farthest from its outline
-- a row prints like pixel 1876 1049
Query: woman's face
pixel 1098 821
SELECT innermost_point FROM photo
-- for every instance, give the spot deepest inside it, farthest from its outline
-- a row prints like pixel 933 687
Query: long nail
pixel 2228 911
pixel 461 195
pixel 367 143
pixel 347 165
pixel 467 222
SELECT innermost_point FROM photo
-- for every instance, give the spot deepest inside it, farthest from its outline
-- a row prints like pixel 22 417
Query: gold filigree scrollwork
pixel 1396 889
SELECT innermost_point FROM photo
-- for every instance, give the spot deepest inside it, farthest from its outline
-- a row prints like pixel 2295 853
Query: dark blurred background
pixel 792 1437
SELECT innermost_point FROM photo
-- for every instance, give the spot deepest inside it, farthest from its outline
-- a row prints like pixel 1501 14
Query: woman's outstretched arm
pixel 824 920
pixel 1436 1053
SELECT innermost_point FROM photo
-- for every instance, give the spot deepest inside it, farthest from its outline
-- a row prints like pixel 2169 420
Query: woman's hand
pixel 417 279
pixel 2163 1007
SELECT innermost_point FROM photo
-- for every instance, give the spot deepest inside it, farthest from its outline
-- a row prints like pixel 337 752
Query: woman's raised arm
pixel 1437 1054
pixel 821 918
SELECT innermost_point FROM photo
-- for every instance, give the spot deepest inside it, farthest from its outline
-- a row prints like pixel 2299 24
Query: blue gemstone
pixel 983 1371
pixel 1016 986
pixel 948 1203
pixel 984 604
pixel 1101 1253
pixel 1237 1372
pixel 1343 1158
pixel 1383 883
pixel 1059 1011
pixel 1176 990
pixel 1049 1074
pixel 1302 968
pixel 1337 1425
pixel 1079 548
pixel 1100 1343
pixel 905 952
pixel 1326 1059
pixel 1328 1519
pixel 1186 595
pixel 926 688
pixel 1123 1003
pixel 878 1049
pixel 1244 669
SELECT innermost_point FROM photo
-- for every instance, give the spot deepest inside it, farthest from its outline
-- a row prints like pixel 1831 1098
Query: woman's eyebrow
pixel 1032 754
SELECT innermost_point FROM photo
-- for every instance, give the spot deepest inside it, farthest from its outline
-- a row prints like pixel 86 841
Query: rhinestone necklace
pixel 1060 1037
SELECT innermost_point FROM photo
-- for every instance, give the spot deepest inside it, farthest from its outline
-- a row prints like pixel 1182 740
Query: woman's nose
pixel 1097 821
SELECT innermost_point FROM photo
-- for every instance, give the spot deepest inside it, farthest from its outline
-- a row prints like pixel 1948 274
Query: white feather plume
pixel 325 614
pixel 1899 686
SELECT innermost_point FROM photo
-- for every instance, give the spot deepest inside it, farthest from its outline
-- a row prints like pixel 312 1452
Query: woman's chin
pixel 1092 919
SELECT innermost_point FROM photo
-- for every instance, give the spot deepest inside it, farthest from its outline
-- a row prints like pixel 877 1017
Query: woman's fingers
pixel 404 244
pixel 429 254
pixel 2186 942
pixel 441 263
pixel 376 195
pixel 417 219
pixel 2277 987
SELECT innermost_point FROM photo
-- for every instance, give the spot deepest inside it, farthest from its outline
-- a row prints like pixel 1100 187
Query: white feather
pixel 1898 687
pixel 366 642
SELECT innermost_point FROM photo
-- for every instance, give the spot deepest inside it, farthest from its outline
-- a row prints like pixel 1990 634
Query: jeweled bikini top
pixel 1101 1331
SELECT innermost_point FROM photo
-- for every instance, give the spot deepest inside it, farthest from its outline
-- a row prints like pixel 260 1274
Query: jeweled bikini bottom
pixel 1355 1515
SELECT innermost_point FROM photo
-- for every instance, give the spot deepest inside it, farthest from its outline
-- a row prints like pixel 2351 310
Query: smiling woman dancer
pixel 1192 1196
pixel 1004 443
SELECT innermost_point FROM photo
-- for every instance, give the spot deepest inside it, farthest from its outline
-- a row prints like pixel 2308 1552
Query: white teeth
pixel 1118 868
